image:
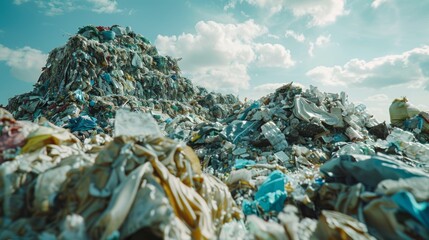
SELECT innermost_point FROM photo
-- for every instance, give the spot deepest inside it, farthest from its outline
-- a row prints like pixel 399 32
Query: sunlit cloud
pixel 25 63
pixel 217 56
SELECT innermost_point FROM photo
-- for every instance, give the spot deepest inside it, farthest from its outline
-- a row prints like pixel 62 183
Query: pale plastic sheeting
pixel 306 111
pixel 135 124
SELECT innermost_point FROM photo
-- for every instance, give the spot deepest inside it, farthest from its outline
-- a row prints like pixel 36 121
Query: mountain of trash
pixel 102 69
pixel 113 143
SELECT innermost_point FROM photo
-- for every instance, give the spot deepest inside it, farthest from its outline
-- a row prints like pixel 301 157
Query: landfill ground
pixel 114 143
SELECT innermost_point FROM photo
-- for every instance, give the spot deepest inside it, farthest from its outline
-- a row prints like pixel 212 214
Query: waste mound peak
pixel 100 61
pixel 101 69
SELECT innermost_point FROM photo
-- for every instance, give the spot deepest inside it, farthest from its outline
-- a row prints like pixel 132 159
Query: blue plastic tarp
pixel 106 77
pixel 275 182
pixel 238 129
pixel 242 163
pixel 254 105
pixel 108 35
pixel 270 196
pixel 408 203
pixel 369 170
pixel 82 123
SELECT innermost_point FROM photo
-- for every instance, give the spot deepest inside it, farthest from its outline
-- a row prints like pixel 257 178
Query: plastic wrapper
pixel 307 111
pixel 369 170
pixel 334 225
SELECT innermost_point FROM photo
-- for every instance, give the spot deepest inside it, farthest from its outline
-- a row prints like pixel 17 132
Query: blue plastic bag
pixel 254 105
pixel 275 182
pixel 238 129
pixel 108 35
pixel 242 163
pixel 106 77
pixel 408 203
pixel 82 123
pixel 270 196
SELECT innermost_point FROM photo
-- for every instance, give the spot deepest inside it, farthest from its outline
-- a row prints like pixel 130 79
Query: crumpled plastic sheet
pixel 306 111
pixel 13 135
pixel 265 230
pixel 406 142
pixel 243 163
pixel 199 202
pixel 82 123
pixel 418 186
pixel 238 129
pixel 270 195
pixel 335 225
pixel 330 225
pixel 46 147
pixel 369 170
pixel 387 195
pixel 134 124
pixel 408 203
pixel 233 230
pixel 342 198
pixel 49 134
pixel 239 178
pixel 383 215
pixel 254 105
pixel 357 148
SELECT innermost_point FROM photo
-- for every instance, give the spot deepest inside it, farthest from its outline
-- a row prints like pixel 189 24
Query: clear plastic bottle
pixel 274 136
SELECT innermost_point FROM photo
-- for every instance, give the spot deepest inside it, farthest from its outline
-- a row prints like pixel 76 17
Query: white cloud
pixel 104 6
pixel 410 69
pixel 327 75
pixel 58 7
pixel 377 3
pixel 298 37
pixel 377 98
pixel 273 55
pixel 230 5
pixel 379 112
pixel 274 6
pixel 311 49
pixel 217 56
pixel 273 36
pixel 19 2
pixel 320 41
pixel 25 63
pixel 322 12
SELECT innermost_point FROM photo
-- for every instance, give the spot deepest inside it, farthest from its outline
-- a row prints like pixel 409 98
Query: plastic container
pixel 108 35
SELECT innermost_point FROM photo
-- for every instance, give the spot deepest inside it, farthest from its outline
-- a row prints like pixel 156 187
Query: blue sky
pixel 374 50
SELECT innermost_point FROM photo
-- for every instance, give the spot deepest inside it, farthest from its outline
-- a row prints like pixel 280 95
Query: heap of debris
pixel 102 69
pixel 296 164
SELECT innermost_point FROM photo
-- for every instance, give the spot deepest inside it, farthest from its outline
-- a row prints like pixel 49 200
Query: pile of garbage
pixel 134 185
pixel 102 69
pixel 113 143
